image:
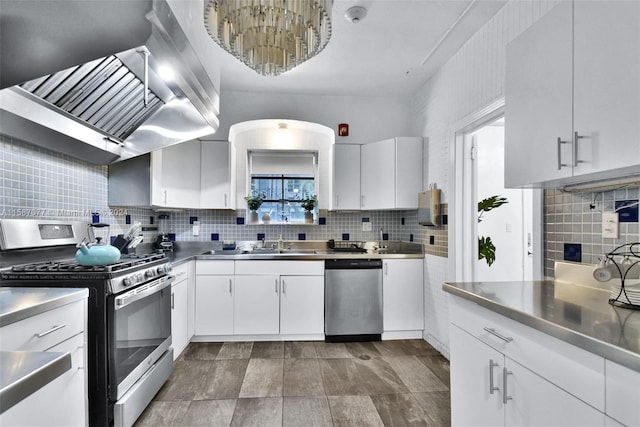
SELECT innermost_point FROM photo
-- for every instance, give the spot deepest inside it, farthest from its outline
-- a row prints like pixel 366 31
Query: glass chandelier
pixel 270 36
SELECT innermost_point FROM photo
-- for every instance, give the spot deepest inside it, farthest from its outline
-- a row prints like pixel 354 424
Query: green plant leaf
pixel 486 250
pixel 491 203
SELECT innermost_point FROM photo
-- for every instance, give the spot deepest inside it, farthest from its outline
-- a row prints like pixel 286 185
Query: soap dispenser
pixel 280 242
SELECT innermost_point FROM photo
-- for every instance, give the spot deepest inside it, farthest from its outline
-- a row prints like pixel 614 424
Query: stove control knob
pixel 149 273
pixel 139 277
pixel 127 281
pixel 160 269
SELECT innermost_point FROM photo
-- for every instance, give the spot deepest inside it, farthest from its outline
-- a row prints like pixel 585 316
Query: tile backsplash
pixel 573 224
pixel 37 183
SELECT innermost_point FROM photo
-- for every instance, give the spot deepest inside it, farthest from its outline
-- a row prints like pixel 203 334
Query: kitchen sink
pixel 265 252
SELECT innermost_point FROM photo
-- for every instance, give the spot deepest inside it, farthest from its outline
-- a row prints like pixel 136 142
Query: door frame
pixel 460 232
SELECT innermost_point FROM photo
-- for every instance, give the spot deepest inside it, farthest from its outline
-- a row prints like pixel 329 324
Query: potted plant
pixel 254 202
pixel 486 248
pixel 308 205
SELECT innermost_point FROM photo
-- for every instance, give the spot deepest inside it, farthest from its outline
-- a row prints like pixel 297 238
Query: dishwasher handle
pixel 353 264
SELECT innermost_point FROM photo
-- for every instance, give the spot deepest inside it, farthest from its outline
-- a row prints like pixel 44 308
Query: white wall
pixel 471 80
pixel 369 118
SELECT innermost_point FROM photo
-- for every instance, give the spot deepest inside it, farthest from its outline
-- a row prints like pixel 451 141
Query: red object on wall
pixel 343 129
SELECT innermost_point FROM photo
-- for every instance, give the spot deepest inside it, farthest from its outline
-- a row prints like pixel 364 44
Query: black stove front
pixel 110 289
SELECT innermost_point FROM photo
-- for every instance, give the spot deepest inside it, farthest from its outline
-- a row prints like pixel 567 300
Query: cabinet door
pixel 402 295
pixel 302 305
pixel 538 100
pixel 179 310
pixel 63 401
pixel 476 398
pixel 214 305
pixel 176 175
pixel 256 305
pixel 215 182
pixel 534 401
pixel 606 85
pixel 408 172
pixel 346 185
pixel 622 393
pixel 378 175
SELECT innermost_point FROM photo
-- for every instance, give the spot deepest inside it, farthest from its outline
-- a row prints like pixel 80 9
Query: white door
pixel 402 295
pixel 179 307
pixel 214 305
pixel 510 226
pixel 302 305
pixel 256 305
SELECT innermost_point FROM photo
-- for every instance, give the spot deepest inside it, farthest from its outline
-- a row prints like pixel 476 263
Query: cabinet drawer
pixel 281 268
pixel 214 267
pixel 181 272
pixel 623 393
pixel 43 331
pixel 571 368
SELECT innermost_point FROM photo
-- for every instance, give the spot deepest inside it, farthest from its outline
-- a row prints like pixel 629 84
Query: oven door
pixel 139 332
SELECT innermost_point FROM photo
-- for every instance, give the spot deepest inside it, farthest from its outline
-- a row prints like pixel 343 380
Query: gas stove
pixel 130 270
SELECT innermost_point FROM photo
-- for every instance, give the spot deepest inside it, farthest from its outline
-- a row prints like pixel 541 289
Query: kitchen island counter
pixel 576 314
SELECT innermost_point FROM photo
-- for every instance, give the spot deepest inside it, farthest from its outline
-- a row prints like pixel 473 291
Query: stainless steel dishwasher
pixel 352 300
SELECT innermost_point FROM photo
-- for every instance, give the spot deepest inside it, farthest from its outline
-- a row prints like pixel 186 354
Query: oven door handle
pixel 143 291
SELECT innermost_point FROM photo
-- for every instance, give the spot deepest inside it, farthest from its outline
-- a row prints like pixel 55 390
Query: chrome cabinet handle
pixel 492 365
pixel 225 200
pixel 505 395
pixel 576 137
pixel 493 332
pixel 164 193
pixel 50 331
pixel 276 285
pixel 386 269
pixel 362 200
pixel 284 287
pixel 560 164
pixel 229 286
pixel 173 301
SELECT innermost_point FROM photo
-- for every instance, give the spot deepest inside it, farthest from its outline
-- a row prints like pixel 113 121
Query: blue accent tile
pixel 172 237
pixel 127 219
pixel 445 219
pixel 95 217
pixel 345 236
pixel 629 214
pixel 215 236
pixel 302 236
pixel 239 220
pixel 573 252
pixel 151 219
pixel 192 219
pixel 411 237
pixel 112 239
pixel 385 236
pixel 432 240
pixel 365 219
pixel 402 221
pixel 322 221
pixel 261 236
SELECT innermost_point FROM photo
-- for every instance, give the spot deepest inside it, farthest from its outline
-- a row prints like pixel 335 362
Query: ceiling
pixel 391 52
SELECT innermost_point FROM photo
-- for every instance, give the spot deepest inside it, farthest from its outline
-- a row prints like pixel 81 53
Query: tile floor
pixel 387 383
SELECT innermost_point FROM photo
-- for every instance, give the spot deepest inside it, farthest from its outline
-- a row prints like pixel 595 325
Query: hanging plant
pixel 486 248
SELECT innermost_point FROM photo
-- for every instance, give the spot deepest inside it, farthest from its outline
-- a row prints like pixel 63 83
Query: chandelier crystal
pixel 270 36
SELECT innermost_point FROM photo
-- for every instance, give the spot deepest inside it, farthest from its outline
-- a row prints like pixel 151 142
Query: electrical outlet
pixel 366 226
pixel 196 228
pixel 610 225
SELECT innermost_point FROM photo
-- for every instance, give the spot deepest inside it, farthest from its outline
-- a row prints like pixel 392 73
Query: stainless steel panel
pixel 353 302
pixel 24 233
pixel 133 403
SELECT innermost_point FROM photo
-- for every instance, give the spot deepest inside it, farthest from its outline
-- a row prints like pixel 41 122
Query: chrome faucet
pixel 381 242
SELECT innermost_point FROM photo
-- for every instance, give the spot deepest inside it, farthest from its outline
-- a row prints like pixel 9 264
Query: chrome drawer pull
pixel 505 395
pixel 492 365
pixel 496 334
pixel 559 143
pixel 50 331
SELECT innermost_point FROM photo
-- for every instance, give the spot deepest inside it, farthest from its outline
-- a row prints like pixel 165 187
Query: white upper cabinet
pixel 346 183
pixel 175 176
pixel 391 173
pixel 216 175
pixel 573 96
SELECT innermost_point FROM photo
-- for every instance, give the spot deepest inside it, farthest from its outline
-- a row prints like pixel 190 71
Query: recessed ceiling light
pixel 355 14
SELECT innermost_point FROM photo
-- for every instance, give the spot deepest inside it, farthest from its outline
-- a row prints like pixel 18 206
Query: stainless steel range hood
pixel 112 107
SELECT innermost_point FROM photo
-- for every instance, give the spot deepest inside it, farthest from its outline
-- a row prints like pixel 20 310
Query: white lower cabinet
pixel 504 373
pixel 214 297
pixel 259 298
pixel 302 305
pixel 622 394
pixel 256 303
pixel 179 313
pixel 402 295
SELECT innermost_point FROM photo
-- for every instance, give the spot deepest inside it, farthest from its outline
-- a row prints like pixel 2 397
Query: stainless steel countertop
pixel 20 303
pixel 576 314
pixel 22 373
